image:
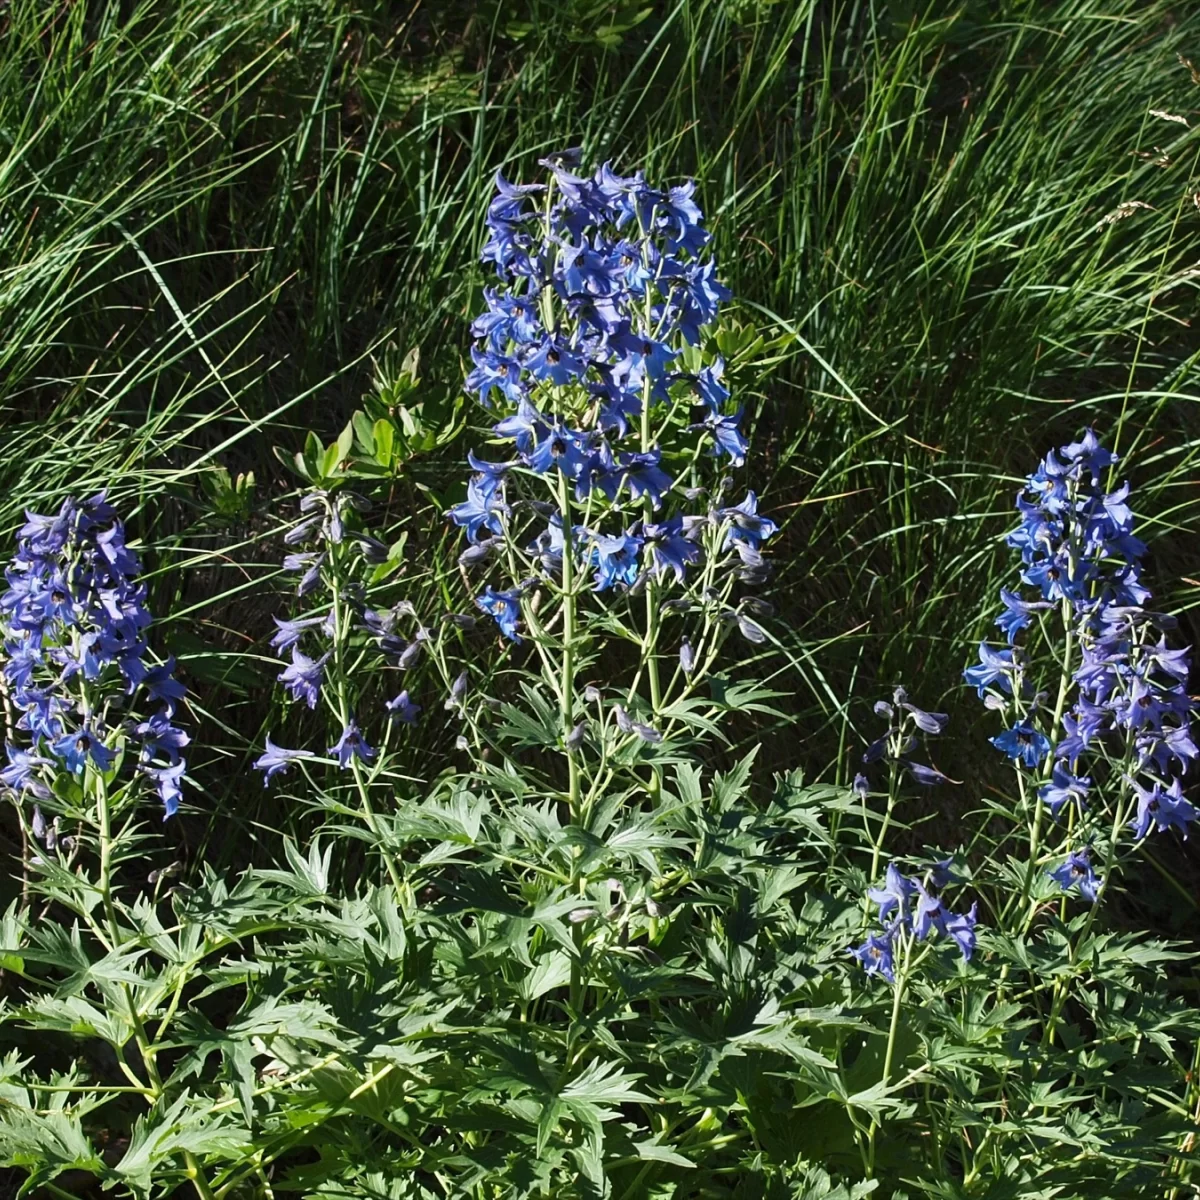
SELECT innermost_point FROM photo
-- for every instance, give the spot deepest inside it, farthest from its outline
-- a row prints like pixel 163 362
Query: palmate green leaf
pixel 74 1015
pixel 657 1152
pixel 642 843
pixel 689 713
pixel 603 1083
pixel 458 819
pixel 729 787
pixel 308 876
pixel 46 1144
pixel 550 971
pixel 688 784
pixel 166 1131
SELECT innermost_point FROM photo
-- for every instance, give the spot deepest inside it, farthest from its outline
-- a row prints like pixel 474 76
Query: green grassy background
pixel 960 229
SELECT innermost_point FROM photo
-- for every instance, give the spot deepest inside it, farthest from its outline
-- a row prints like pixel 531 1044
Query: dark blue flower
pixel 401 708
pixel 616 559
pixel 505 607
pixel 159 736
pixel 524 427
pixel 746 525
pixel 727 436
pixel 276 760
pixel 1076 871
pixel 925 776
pixel 560 448
pixel 350 745
pixel 1023 743
pixel 80 746
pixel 553 360
pixel 895 894
pixel 162 685
pixel 20 774
pixel 876 956
pixel 641 473
pixel 928 722
pixel 484 508
pixel 670 548
pixel 494 373
pixel 1162 808
pixel 1017 613
pixel 961 927
pixel 167 780
pixel 1063 788
pixel 303 678
pixel 929 915
pixel 288 632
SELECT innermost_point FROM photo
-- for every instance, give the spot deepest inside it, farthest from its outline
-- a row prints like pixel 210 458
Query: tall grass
pixel 958 229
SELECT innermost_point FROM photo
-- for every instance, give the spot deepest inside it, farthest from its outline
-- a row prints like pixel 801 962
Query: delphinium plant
pixel 1101 741
pixel 353 634
pixel 1097 726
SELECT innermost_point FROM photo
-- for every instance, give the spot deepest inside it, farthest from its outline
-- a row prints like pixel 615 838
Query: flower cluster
pixel 340 610
pixel 73 620
pixel 913 908
pixel 900 739
pixel 595 329
pixel 1080 558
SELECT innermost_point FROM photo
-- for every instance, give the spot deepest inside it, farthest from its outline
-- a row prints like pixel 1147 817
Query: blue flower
pixel 561 448
pixel 1017 613
pixel 616 559
pixel 670 548
pixel 747 527
pixel 494 373
pixel 288 632
pixel 929 915
pixel 524 427
pixel 727 437
pixel 167 781
pixel 961 927
pixel 484 508
pixel 1162 808
pixel 160 684
pixel 553 361
pixel 895 894
pixel 643 476
pixel 276 760
pixel 19 774
pixel 303 678
pixel 925 776
pixel 1063 788
pixel 505 607
pixel 1090 454
pixel 1023 743
pixel 1076 872
pixel 876 956
pixel 687 657
pixel 77 748
pixel 159 736
pixel 351 744
pixel 928 722
pixel 680 216
pixel 651 356
pixel 401 708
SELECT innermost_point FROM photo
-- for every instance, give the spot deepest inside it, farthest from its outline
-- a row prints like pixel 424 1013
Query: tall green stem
pixel 898 990
pixel 343 713
pixel 567 690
